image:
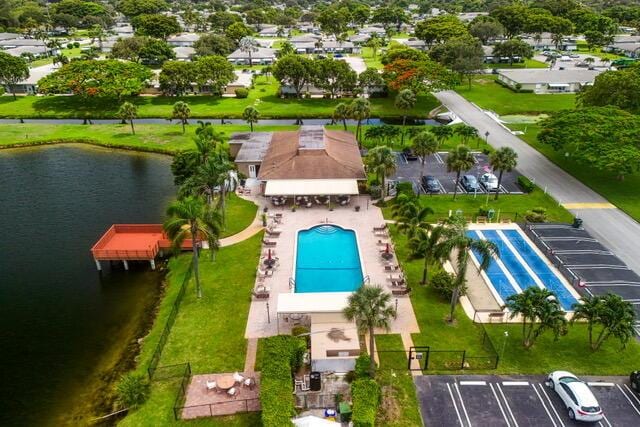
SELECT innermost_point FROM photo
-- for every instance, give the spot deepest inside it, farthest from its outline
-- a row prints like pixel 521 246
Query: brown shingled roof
pixel 338 159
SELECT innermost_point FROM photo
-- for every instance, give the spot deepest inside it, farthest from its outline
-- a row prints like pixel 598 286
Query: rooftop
pixel 254 145
pixel 530 76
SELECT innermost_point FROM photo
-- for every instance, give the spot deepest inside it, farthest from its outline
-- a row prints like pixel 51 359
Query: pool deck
pixel 362 222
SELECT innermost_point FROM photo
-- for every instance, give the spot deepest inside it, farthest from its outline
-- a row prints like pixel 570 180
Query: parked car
pixel 634 378
pixel 577 396
pixel 430 184
pixel 489 181
pixel 409 154
pixel 337 55
pixel 469 183
pixel 565 58
pixel 574 55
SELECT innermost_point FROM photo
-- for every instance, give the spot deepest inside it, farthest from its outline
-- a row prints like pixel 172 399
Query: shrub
pixel 281 355
pixel 132 390
pixel 69 45
pixel 538 214
pixel 76 44
pixel 365 394
pixel 404 188
pixel 526 184
pixel 241 93
pixel 362 366
pixel 444 283
pixel 298 330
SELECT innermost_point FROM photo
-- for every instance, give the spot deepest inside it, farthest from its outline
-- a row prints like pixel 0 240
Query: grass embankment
pixel 264 97
pixel 239 214
pixel 369 60
pixel 488 94
pixel 569 352
pixel 157 138
pixel 623 194
pixel 208 332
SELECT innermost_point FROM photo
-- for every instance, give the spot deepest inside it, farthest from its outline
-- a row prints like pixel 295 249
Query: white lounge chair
pixel 232 391
pixel 238 378
pixel 211 385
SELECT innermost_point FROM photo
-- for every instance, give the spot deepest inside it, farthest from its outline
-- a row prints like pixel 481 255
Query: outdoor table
pixel 226 382
pixel 386 255
pixel 269 262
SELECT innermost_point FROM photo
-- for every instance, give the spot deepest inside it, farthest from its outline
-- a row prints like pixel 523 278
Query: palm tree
pixel 188 219
pixel 426 243
pixel 248 45
pixel 503 160
pixel 360 108
pixel 60 59
pixel 182 112
pixel 424 144
pixel 456 240
pixel 96 32
pixel 557 39
pixel 128 111
pixel 370 308
pixel 251 115
pixel 405 101
pixel 540 310
pixel 605 61
pixel 613 314
pixel 381 161
pixel 374 43
pixel 318 45
pixel 589 60
pixel 341 113
pixel 376 133
pixel 466 132
pixel 442 133
pixel 410 215
pixel 460 159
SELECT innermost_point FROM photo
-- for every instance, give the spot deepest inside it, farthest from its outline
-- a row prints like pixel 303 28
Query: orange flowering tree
pixel 420 76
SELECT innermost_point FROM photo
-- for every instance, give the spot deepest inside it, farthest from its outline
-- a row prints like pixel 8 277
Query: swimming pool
pixel 327 260
pixel 519 266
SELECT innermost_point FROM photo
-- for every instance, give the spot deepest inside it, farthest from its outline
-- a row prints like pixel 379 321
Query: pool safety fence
pixel 492 216
pixel 164 336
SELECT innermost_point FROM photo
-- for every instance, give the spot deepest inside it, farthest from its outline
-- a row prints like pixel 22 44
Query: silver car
pixel 489 182
pixel 577 396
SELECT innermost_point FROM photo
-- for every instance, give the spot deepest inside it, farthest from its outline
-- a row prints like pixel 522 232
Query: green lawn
pixel 240 213
pixel 507 205
pixel 528 63
pixel 208 332
pixel 69 53
pixel 623 194
pixel 159 138
pixel 369 60
pixel 264 97
pixel 491 96
pixel 582 48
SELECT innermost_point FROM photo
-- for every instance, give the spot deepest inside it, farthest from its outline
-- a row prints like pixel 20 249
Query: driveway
pixel 356 63
pixel 612 227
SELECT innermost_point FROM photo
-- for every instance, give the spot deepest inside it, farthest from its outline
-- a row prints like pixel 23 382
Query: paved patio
pixel 262 325
pixel 200 402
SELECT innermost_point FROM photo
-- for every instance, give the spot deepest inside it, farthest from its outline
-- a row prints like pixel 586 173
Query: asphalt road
pixel 612 227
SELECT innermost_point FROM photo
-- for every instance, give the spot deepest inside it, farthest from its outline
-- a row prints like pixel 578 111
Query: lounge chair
pixel 481 220
pixel 272 233
pixel 268 242
pixel 391 267
pixel 264 273
pixel 238 378
pixel 398 283
pixel 401 291
pixel 211 385
pixel 249 382
pixel 383 227
pixel 396 277
pixel 232 392
pixel 261 292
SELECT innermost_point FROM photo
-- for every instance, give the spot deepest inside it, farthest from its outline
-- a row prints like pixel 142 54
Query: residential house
pixel 542 80
pixel 31 51
pixel 326 46
pixel 625 45
pixel 470 16
pixel 9 36
pixel 183 40
pixel 490 59
pixel 545 42
pixel 260 56
pixel 273 31
pixel 184 53
pixel 372 29
pixel 415 43
pixel 243 80
pixel 29 86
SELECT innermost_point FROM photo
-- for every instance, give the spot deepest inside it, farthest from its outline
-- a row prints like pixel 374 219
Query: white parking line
pixel 507 383
pixel 455 406
pixel 438 158
pixel 550 404
pixel 632 393
pixel 504 415
pixel 464 409
pixel 472 382
pixel 544 405
pixel 515 422
pixel 627 397
pixel 600 384
pixel 604 417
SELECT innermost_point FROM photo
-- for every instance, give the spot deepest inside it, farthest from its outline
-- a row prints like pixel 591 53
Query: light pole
pixel 504 343
pixel 486 137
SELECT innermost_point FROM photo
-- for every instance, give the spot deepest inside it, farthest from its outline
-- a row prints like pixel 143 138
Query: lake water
pixel 65 326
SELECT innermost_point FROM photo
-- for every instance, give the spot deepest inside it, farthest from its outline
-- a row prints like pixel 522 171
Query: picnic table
pixel 226 382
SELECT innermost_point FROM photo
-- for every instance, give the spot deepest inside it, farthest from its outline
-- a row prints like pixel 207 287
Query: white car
pixel 577 396
pixel 489 182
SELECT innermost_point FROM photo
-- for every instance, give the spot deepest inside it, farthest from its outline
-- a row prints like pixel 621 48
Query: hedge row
pixel 282 354
pixel 365 395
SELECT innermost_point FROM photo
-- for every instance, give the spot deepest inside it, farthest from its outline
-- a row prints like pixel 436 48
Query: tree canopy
pixel 155 25
pixel 619 88
pixel 131 8
pixel 440 29
pixel 213 44
pixel 419 76
pixel 12 70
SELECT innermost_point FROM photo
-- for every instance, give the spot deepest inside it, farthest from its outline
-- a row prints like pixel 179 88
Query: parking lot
pixel 518 401
pixel 436 165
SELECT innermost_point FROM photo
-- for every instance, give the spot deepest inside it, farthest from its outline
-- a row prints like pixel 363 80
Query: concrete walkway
pixel 250 358
pixel 254 228
pixel 612 227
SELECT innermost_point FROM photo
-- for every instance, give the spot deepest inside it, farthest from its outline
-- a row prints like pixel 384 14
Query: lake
pixel 66 327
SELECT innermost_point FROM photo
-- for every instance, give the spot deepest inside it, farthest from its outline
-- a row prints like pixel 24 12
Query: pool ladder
pixel 366 280
pixel 292 283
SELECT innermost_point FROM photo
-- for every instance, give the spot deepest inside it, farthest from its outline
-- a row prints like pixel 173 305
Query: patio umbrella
pixel 269 254
pixel 387 248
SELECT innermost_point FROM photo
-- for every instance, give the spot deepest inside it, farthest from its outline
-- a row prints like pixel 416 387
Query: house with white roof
pixel 183 40
pixel 260 56
pixel 542 80
pixel 29 86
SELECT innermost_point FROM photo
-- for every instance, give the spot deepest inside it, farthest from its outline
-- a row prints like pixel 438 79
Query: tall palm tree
pixel 557 39
pixel 374 43
pixel 97 32
pixel 460 159
pixel 540 310
pixel 370 308
pixel 442 133
pixel 182 112
pixel 341 113
pixel 128 111
pixel 503 160
pixel 614 315
pixel 360 109
pixel 466 132
pixel 426 243
pixel 405 101
pixel 456 241
pixel 424 144
pixel 381 161
pixel 248 45
pixel 410 215
pixel 190 218
pixel 251 115
pixel 60 59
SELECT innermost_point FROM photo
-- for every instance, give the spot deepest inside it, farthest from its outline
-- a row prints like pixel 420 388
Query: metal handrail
pixel 366 280
pixel 292 283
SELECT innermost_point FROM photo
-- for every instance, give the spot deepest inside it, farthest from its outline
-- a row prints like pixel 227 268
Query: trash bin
pixel 316 381
pixel 577 222
pixel 345 412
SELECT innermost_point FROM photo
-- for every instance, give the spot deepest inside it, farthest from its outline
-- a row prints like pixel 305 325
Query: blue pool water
pixel 515 266
pixel 327 260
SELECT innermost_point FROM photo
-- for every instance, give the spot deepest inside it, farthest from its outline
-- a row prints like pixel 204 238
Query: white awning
pixel 312 302
pixel 559 85
pixel 310 187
